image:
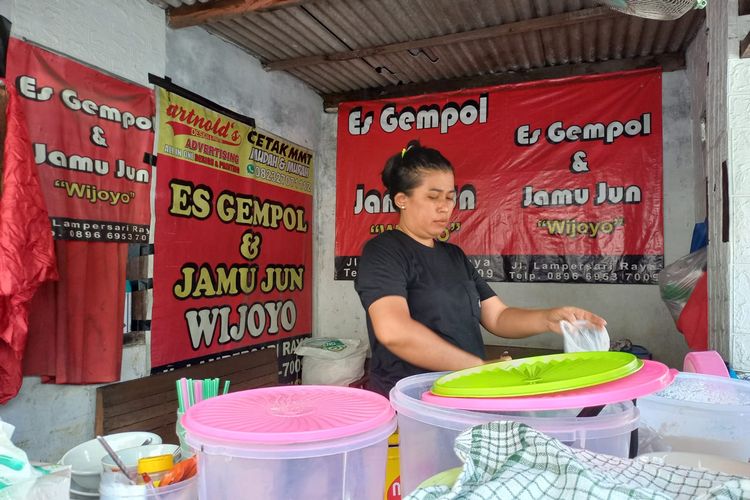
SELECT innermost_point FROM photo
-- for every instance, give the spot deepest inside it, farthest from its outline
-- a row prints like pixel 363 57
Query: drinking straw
pixel 190 392
pixel 198 391
pixel 185 393
pixel 180 404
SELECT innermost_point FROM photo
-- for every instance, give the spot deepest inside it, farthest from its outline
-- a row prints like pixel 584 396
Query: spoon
pixel 115 458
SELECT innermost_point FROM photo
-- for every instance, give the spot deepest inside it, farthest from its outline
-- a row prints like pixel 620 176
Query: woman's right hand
pixel 504 357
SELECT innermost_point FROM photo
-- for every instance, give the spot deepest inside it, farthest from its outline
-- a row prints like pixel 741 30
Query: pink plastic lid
pixel 288 414
pixel 653 377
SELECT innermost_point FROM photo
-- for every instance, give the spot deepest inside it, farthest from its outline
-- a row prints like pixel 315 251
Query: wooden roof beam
pixel 668 62
pixel 515 28
pixel 202 13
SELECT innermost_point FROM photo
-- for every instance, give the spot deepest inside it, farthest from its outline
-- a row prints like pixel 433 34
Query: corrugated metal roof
pixel 317 28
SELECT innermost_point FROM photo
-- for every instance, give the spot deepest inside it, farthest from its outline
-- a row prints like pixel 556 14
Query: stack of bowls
pixel 86 459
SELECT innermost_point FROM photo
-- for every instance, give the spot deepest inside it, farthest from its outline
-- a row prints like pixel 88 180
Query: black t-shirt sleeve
pixel 382 271
pixel 485 292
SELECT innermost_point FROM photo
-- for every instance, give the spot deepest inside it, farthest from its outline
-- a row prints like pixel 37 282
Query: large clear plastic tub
pixel 698 414
pixel 292 442
pixel 427 432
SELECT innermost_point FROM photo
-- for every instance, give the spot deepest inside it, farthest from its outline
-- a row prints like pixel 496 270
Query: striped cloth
pixel 509 460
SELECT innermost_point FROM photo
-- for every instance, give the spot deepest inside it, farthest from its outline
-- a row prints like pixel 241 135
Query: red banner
pixel 557 180
pixel 233 240
pixel 89 132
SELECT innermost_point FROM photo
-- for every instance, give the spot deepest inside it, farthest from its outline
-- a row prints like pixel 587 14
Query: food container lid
pixel 288 414
pixel 653 377
pixel 537 375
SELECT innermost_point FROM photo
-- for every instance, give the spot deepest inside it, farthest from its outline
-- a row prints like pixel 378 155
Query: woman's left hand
pixel 571 314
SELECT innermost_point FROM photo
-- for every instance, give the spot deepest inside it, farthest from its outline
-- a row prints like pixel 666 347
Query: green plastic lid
pixel 537 375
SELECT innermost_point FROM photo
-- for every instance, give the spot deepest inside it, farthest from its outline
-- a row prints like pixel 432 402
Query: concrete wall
pixel 123 38
pixel 130 39
pixel 632 311
pixel 279 102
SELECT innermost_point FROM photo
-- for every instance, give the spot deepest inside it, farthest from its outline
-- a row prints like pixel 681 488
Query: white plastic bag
pixel 332 361
pixel 584 336
pixel 52 482
pixel 14 466
pixel 19 480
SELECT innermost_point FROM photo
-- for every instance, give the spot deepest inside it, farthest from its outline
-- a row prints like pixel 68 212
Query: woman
pixel 424 300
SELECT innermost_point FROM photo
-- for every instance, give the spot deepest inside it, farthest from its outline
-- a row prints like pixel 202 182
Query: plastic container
pixel 699 414
pixel 184 490
pixel 312 442
pixel 427 432
pixel 153 469
pixel 130 457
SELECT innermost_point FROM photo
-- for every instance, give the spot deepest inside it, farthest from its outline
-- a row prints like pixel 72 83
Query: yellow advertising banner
pixel 200 135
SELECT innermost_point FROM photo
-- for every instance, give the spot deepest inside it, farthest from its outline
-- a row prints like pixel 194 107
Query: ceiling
pixel 371 49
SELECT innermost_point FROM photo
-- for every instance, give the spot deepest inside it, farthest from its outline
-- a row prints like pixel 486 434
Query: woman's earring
pixel 403 207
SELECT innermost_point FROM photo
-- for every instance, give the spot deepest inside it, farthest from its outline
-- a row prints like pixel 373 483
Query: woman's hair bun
pixel 402 171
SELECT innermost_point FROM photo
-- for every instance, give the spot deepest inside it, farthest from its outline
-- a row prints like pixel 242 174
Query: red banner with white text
pixel 233 240
pixel 89 132
pixel 557 180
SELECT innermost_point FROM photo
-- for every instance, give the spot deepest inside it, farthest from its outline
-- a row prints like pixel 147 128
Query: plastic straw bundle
pixel 190 392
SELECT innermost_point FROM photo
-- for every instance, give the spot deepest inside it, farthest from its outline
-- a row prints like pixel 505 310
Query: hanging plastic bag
pixel 678 279
pixel 584 336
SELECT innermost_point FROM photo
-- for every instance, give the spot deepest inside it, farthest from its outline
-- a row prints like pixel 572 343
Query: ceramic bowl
pixel 130 456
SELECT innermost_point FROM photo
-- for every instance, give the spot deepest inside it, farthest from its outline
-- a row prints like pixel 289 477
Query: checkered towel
pixel 509 460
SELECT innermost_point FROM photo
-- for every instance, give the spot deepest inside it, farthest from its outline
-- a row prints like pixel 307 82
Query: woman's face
pixel 427 210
